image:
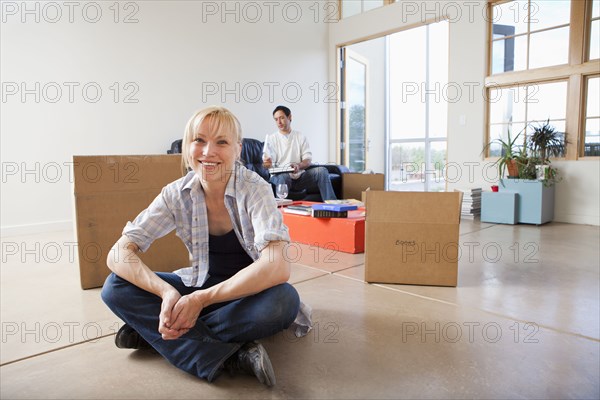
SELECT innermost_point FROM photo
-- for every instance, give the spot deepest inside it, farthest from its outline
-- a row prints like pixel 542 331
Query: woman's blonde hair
pixel 219 119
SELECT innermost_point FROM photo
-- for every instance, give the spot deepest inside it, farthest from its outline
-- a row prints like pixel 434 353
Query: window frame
pixel 589 18
pixel 426 140
pixel 576 73
pixel 529 32
pixel 527 120
pixel 584 116
pixel 362 8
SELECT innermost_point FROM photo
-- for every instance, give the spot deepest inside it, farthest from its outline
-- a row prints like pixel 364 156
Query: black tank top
pixel 226 256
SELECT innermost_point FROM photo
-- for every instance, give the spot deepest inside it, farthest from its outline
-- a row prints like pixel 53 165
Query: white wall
pixel 172 55
pixel 577 196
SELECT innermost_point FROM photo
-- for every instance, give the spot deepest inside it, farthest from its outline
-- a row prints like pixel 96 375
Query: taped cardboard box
pixel 353 184
pixel 340 234
pixel 111 190
pixel 412 237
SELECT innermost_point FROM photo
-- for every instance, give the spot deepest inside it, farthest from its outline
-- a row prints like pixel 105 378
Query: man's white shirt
pixel 285 149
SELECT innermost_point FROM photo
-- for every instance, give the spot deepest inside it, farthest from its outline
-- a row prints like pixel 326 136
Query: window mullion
pixel 528 35
pixel 577 30
pixel 575 114
pixel 543 74
pixel 575 100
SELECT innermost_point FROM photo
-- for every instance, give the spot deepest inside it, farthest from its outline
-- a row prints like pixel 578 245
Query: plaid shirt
pixel 181 206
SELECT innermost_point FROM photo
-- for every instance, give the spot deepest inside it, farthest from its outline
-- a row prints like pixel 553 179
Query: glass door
pixel 354 140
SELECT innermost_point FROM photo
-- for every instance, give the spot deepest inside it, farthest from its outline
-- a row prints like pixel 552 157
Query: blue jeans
pixel 312 178
pixel 220 330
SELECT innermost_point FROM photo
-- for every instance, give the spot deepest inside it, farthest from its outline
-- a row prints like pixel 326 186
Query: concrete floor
pixel 522 323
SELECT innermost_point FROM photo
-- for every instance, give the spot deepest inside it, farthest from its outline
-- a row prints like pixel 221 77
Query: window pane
pixel 541 102
pixel 435 169
pixel 549 48
pixel 520 55
pixel 596 9
pixel 501 131
pixel 509 54
pixel 547 101
pixel 546 14
pixel 371 4
pixel 510 17
pixel 350 7
pixel 496 132
pixel 592 137
pixel 498 57
pixel 438 80
pixel 595 40
pixel 507 105
pixel 418 98
pixel 592 122
pixel 518 129
pixel 356 98
pixel 593 98
pixel 558 125
pixel 407 161
pixel 407 109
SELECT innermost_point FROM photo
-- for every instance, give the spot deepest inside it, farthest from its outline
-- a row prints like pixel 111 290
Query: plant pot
pixel 513 168
pixel 542 172
pixel 535 201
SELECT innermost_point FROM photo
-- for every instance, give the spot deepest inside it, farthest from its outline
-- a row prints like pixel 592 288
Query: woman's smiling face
pixel 213 152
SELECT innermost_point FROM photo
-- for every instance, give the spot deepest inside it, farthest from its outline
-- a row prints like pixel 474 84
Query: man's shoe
pixel 252 358
pixel 128 338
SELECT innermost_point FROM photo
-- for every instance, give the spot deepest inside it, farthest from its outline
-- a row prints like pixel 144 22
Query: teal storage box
pixel 499 207
pixel 535 202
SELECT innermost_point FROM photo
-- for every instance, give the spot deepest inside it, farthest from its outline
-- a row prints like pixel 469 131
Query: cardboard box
pixel 339 234
pixel 353 184
pixel 111 190
pixel 412 237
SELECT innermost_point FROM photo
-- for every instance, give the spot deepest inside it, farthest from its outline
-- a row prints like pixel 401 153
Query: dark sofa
pixel 252 159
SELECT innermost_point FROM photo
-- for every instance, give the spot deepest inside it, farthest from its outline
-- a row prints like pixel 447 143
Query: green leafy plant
pixel 527 168
pixel 531 159
pixel 546 141
pixel 509 153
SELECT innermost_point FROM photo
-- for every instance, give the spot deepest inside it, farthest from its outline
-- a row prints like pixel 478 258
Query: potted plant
pixel 509 153
pixel 526 163
pixel 545 141
pixel 535 185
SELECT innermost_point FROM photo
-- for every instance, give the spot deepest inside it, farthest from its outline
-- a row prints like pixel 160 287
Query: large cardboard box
pixel 111 190
pixel 339 234
pixel 353 184
pixel 412 237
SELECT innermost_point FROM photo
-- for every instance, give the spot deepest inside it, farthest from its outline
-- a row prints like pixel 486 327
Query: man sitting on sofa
pixel 287 147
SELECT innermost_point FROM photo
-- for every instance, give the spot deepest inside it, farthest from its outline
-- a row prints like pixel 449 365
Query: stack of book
pixel 321 210
pixel 298 209
pixel 332 210
pixel 352 202
pixel 471 203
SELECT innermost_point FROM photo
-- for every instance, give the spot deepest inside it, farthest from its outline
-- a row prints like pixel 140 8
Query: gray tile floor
pixel 522 323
